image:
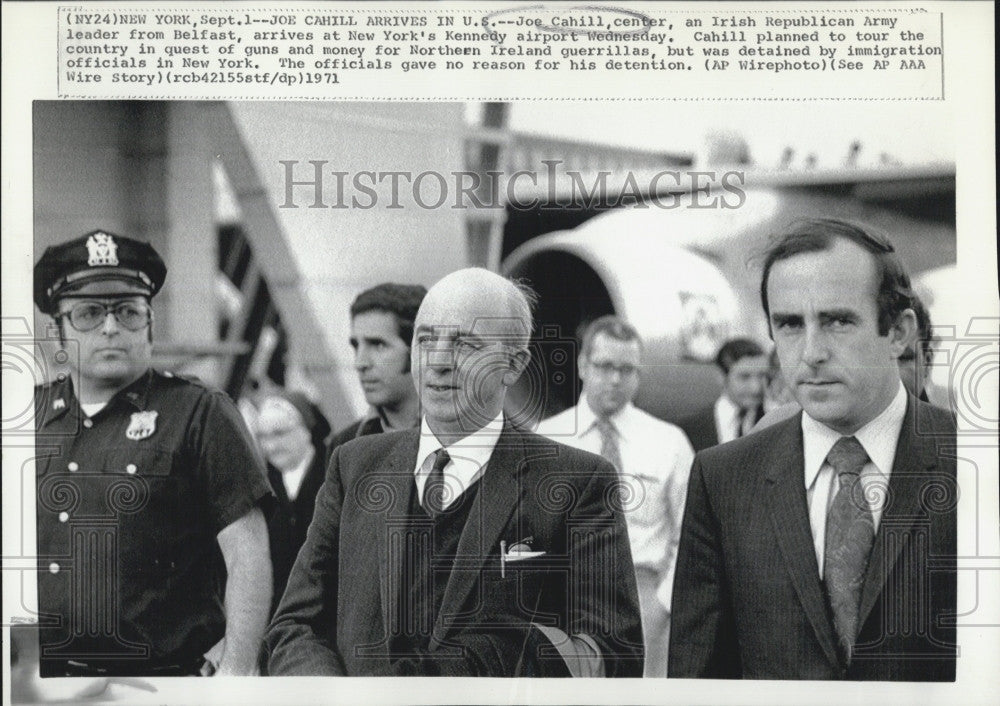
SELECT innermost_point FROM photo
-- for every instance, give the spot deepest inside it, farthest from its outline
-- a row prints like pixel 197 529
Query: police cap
pixel 95 256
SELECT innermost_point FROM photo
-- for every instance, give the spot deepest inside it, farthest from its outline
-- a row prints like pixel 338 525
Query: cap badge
pixel 142 425
pixel 101 250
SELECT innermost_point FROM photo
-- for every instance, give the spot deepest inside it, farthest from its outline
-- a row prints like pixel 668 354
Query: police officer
pixel 152 543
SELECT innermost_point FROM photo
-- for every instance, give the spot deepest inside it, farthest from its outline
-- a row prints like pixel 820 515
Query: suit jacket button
pixel 73 466
pixel 88 423
pixel 63 516
pixel 53 568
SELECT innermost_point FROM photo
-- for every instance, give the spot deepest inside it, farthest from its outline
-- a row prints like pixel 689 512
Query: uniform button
pixel 131 469
pixel 53 568
pixel 88 423
pixel 63 516
pixel 73 466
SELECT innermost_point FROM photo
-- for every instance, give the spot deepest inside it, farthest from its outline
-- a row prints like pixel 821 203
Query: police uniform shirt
pixel 129 505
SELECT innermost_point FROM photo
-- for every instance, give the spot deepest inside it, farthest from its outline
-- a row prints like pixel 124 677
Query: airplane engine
pixel 682 305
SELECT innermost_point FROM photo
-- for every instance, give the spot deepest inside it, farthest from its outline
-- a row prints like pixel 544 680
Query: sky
pixel 912 133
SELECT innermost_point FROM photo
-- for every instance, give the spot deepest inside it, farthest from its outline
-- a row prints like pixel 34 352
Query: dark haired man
pixel 148 487
pixel 823 547
pixel 381 332
pixel 744 368
pixel 913 364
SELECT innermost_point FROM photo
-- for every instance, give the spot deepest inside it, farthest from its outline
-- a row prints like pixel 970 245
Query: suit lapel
pixel 395 477
pixel 914 455
pixel 790 517
pixel 495 502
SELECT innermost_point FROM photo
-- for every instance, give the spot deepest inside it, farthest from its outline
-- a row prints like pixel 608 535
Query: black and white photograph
pixel 698 394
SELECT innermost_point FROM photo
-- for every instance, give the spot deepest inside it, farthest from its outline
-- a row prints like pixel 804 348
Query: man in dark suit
pixel 466 547
pixel 824 547
pixel 744 368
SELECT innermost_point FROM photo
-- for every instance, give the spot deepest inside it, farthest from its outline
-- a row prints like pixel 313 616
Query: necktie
pixel 435 492
pixel 748 418
pixel 609 442
pixel 850 533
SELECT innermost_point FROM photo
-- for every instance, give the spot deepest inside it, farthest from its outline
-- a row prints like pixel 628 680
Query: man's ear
pixel 516 364
pixel 581 366
pixel 903 332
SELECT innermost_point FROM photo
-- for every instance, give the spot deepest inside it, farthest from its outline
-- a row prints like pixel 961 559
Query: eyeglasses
pixel 86 316
pixel 606 367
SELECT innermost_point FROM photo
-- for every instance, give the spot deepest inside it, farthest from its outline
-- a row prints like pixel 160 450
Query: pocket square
pixel 518 551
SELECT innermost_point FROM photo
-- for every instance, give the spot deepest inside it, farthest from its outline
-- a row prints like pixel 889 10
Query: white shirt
pixel 292 480
pixel 657 459
pixel 878 437
pixel 468 457
pixel 727 419
pixel 92 408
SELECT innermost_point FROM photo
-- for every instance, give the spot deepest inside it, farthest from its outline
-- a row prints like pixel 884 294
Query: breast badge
pixel 142 426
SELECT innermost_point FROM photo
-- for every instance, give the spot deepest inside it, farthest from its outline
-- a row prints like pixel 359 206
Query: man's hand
pixel 248 594
pixel 212 658
pixel 498 652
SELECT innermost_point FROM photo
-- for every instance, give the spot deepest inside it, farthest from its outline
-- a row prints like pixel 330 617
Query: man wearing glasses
pixel 152 544
pixel 652 456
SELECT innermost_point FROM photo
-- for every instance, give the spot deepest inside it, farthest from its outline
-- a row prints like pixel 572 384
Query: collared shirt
pixel 130 501
pixel 729 420
pixel 469 457
pixel 878 437
pixel 92 408
pixel 657 458
pixel 292 480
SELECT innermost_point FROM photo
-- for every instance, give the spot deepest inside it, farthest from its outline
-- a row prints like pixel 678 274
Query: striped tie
pixel 850 534
pixel 609 442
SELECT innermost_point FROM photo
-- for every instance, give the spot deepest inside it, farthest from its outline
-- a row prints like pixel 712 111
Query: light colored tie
pixel 435 496
pixel 609 442
pixel 850 534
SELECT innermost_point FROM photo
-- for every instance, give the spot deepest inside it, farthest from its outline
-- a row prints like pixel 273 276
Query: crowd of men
pixel 435 537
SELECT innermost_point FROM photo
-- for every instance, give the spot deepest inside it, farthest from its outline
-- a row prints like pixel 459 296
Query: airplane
pixel 273 215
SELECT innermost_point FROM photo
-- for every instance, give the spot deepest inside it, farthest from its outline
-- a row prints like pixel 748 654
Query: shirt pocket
pixel 152 496
pixel 515 594
pixel 639 499
pixel 142 472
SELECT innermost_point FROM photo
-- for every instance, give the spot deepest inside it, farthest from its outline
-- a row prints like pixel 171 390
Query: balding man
pixel 465 547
